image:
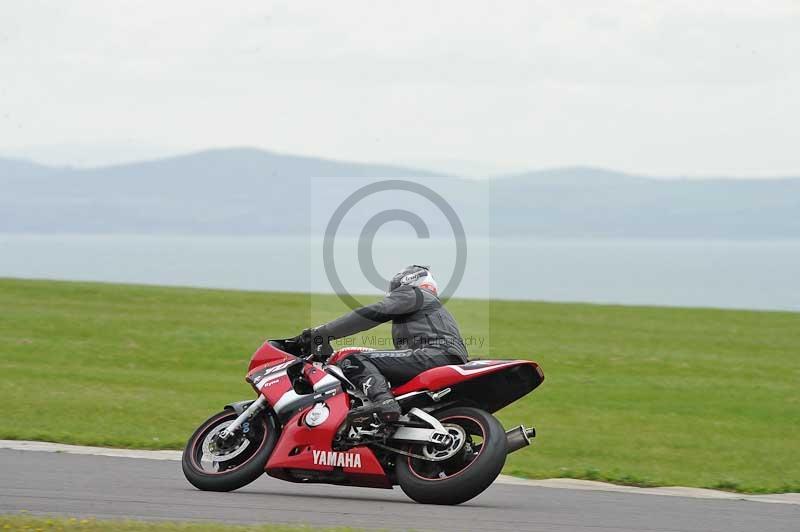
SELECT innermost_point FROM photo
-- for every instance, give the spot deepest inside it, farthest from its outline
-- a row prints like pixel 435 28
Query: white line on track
pixel 558 483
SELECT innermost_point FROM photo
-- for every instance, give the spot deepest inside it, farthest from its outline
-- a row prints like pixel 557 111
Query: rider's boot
pixel 388 411
pixel 383 403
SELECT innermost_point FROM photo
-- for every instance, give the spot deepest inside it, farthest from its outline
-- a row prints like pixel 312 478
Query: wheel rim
pixel 214 456
pixel 462 455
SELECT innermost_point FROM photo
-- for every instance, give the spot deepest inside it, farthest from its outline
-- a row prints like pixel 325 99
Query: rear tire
pixel 238 472
pixel 465 475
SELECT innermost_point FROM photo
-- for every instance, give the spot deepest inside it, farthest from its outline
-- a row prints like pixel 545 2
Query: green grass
pixel 30 523
pixel 634 395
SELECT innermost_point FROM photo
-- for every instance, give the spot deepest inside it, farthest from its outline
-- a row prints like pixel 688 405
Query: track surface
pixel 106 487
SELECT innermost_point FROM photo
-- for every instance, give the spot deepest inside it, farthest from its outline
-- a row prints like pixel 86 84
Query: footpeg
pixel 437 396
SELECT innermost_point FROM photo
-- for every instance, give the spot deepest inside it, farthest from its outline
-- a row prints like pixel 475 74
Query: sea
pixel 761 275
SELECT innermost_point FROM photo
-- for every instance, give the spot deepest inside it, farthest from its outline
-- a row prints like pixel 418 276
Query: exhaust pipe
pixel 519 437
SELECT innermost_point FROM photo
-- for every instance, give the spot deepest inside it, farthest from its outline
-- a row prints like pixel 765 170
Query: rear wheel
pixel 472 460
pixel 211 463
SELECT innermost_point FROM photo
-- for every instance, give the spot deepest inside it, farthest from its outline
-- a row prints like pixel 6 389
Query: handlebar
pixel 296 346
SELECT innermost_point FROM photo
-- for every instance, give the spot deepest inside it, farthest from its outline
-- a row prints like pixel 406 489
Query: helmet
pixel 414 275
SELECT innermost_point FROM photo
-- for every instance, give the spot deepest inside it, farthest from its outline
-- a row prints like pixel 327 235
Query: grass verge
pixel 28 523
pixel 633 395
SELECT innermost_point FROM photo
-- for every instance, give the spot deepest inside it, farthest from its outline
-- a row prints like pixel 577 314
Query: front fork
pixel 257 406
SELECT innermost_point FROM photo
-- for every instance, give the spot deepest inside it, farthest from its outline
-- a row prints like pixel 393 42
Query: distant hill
pixel 586 202
pixel 573 175
pixel 248 191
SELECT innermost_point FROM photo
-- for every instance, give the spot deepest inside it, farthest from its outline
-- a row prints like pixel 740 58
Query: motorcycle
pixel 446 448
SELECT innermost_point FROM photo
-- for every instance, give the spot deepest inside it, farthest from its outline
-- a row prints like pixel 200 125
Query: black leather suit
pixel 424 333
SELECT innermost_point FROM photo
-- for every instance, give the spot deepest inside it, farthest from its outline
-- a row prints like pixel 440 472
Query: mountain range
pixel 246 191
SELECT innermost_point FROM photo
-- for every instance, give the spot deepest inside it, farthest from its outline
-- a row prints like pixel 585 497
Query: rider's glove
pixel 317 345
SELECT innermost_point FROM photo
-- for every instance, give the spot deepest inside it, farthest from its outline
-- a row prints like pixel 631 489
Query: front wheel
pixel 211 463
pixel 473 459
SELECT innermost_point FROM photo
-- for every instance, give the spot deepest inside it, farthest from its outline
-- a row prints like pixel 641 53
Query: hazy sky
pixel 658 87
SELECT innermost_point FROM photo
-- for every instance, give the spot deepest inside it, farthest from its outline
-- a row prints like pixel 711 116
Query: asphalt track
pixel 113 487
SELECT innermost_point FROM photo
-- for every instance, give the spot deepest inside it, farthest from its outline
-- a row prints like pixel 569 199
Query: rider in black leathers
pixel 424 333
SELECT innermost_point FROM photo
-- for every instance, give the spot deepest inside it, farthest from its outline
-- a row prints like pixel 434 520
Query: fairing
pixel 490 384
pixel 302 449
pixel 303 453
pixel 268 354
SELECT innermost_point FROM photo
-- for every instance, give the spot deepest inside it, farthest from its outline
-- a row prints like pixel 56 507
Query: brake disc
pixel 222 455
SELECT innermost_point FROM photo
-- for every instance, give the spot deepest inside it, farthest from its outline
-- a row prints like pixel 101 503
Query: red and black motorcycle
pixel 446 448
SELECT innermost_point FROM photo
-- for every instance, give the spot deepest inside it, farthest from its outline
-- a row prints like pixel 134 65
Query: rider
pixel 424 333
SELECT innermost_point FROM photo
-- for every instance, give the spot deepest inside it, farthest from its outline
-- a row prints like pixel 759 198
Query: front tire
pixel 466 474
pixel 226 465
